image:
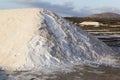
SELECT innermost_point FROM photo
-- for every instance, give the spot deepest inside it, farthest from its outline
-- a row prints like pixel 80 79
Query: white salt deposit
pixel 37 38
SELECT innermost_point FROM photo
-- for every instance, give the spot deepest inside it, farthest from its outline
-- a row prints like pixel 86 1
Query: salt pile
pixel 36 38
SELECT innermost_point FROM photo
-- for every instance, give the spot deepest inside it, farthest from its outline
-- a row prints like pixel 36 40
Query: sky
pixel 78 8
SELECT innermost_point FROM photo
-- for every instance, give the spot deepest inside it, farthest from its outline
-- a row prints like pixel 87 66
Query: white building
pixel 90 23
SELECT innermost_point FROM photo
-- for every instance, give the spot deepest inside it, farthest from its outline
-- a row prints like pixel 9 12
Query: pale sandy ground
pixel 16 29
pixel 37 38
pixel 39 41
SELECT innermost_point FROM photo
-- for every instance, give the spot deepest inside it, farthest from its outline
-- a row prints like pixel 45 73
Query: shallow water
pixel 79 73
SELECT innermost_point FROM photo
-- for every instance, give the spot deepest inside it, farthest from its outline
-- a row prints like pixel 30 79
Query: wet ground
pixel 86 72
pixel 108 34
pixel 79 73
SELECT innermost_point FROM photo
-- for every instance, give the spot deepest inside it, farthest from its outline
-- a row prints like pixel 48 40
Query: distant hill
pixel 105 15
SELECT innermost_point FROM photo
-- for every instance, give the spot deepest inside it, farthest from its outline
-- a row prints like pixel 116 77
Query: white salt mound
pixel 35 38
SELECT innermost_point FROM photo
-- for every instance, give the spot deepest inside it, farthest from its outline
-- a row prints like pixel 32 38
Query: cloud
pixel 105 9
pixel 67 9
pixel 109 9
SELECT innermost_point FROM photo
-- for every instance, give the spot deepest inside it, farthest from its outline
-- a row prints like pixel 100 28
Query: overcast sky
pixel 66 7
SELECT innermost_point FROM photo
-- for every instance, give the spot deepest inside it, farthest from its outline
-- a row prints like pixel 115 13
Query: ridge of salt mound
pixel 35 38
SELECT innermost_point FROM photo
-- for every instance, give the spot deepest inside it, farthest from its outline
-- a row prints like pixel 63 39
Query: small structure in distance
pixel 90 23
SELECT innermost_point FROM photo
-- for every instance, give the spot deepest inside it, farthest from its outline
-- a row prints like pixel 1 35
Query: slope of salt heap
pixel 36 38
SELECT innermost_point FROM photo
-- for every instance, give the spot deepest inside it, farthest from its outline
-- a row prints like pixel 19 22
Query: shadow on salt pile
pixel 4 75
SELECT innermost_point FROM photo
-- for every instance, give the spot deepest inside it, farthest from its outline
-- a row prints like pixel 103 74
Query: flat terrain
pixel 110 33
